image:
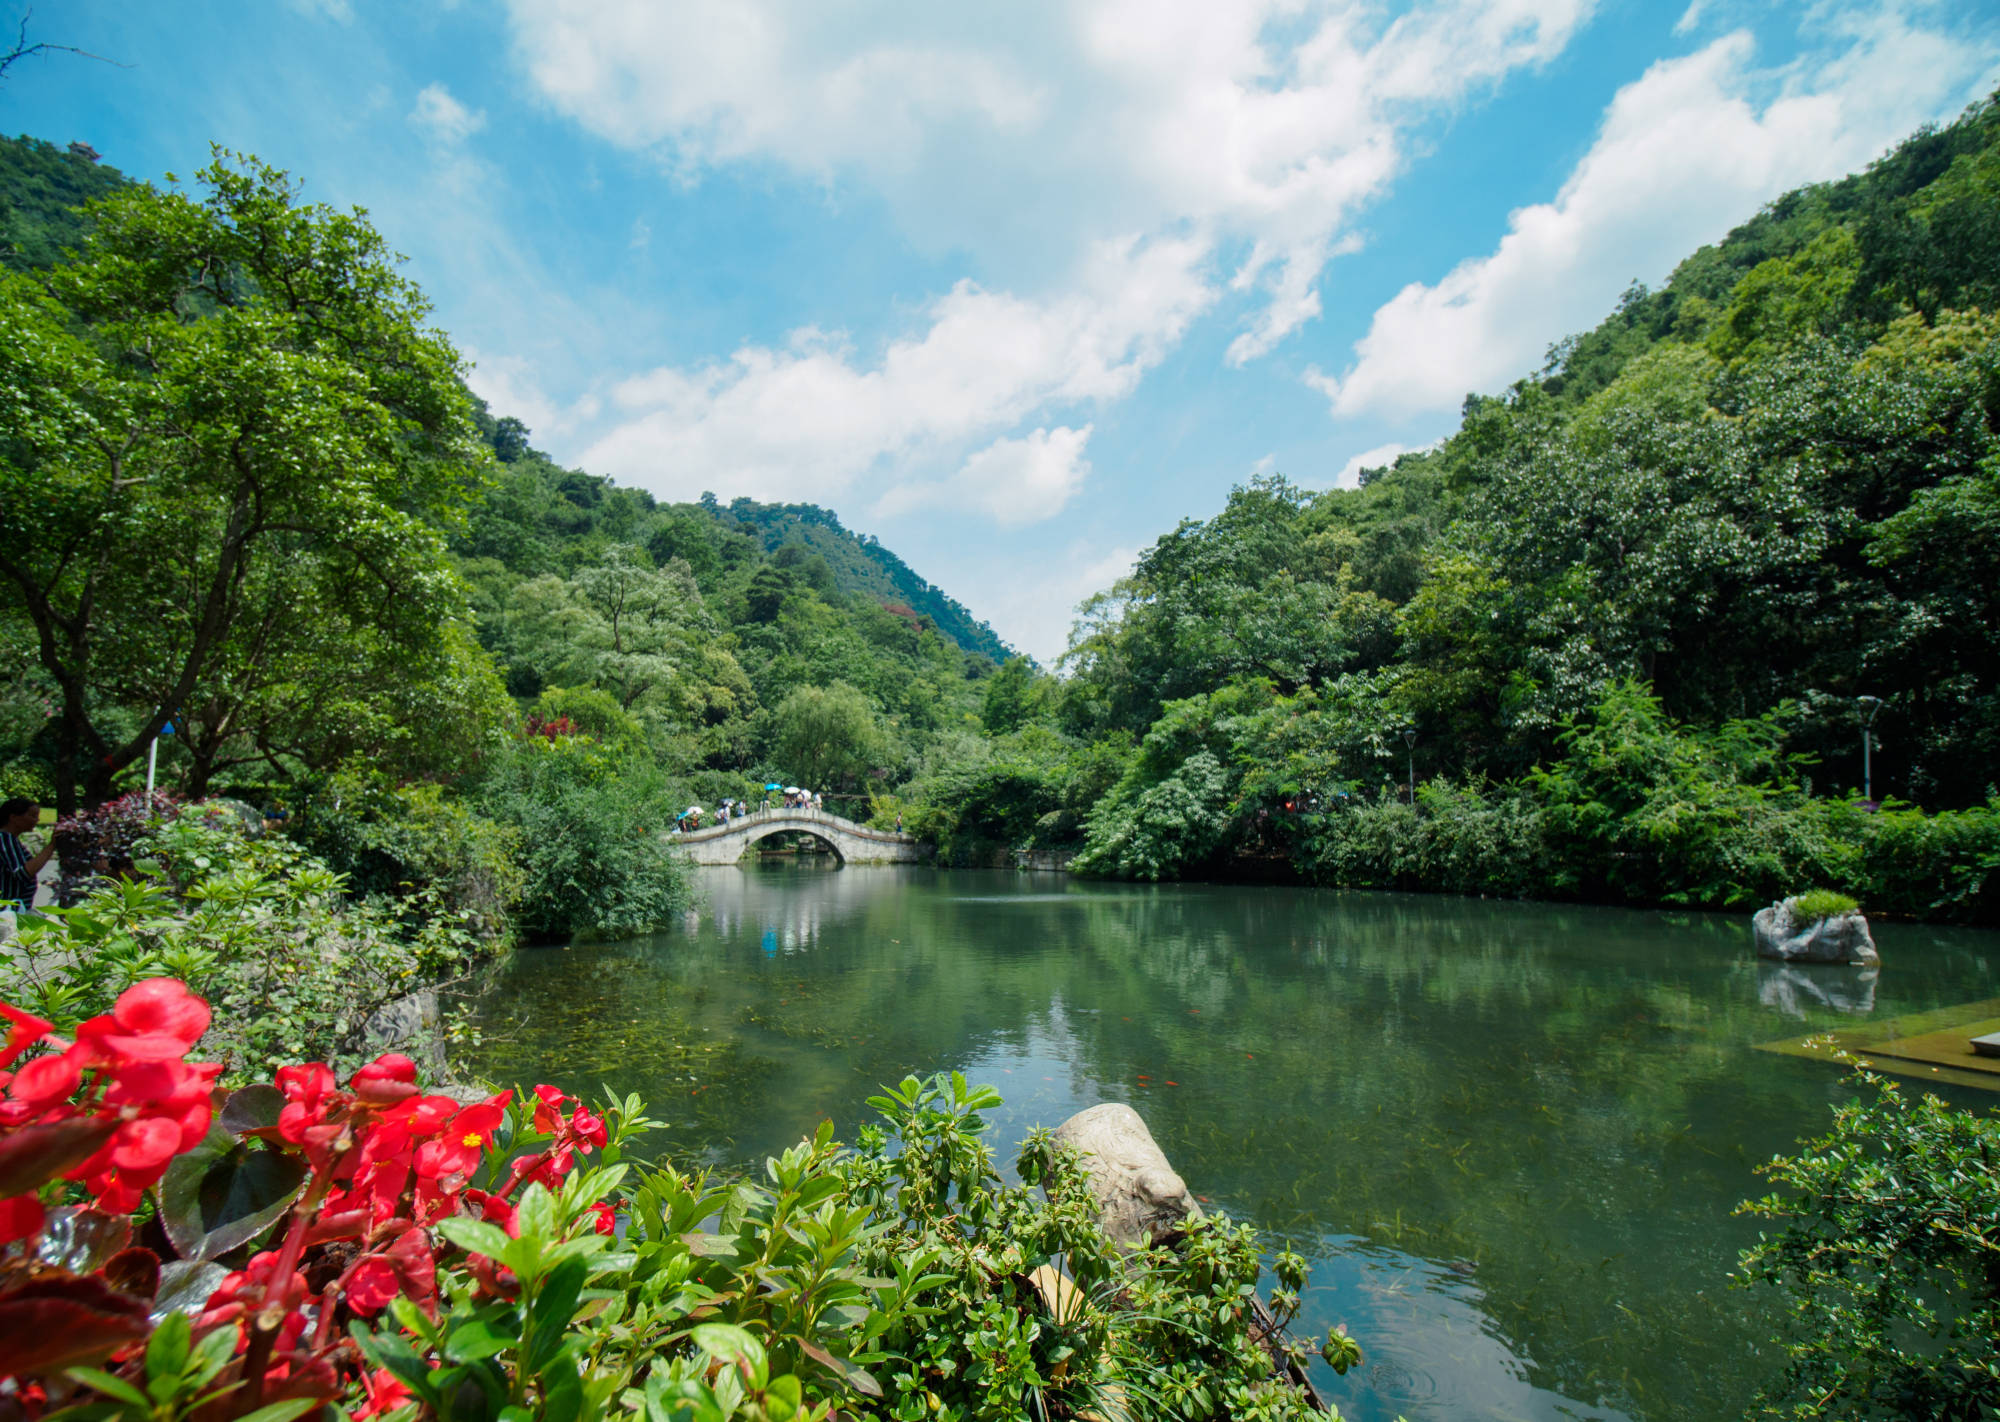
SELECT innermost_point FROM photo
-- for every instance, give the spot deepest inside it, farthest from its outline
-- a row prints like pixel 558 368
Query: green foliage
pixel 1628 607
pixel 588 825
pixel 428 853
pixel 44 186
pixel 256 926
pixel 827 737
pixel 1817 904
pixel 179 529
pixel 1889 1259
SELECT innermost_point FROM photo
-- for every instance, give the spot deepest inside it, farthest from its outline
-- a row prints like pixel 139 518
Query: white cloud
pixel 1690 17
pixel 1032 600
pixel 1683 155
pixel 339 11
pixel 814 420
pixel 1118 169
pixel 1012 481
pixel 1249 126
pixel 444 118
pixel 510 385
pixel 1379 457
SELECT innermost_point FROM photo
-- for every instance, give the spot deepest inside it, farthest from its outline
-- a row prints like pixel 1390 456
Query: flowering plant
pixel 353 1193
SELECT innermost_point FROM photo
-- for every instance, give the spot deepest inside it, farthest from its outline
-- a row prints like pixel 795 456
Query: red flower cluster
pixel 551 728
pixel 383 1162
pixel 119 1095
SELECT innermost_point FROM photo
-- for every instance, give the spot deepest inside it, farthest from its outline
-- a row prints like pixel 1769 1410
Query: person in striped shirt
pixel 18 868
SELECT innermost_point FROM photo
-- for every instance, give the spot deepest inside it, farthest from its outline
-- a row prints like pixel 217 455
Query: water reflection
pixel 1793 987
pixel 1510 1135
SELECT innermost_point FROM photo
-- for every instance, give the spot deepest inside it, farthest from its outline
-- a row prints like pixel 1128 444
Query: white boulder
pixel 1783 934
pixel 1140 1200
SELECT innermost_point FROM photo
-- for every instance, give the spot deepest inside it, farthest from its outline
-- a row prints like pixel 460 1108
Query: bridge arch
pixel 852 843
pixel 757 834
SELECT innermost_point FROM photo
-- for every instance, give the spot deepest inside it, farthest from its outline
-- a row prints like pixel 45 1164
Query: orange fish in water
pixel 1173 1083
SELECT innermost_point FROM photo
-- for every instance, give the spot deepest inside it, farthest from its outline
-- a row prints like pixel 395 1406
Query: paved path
pixel 855 844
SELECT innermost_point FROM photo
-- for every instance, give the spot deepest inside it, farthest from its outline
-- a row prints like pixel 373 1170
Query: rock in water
pixel 1841 938
pixel 1140 1200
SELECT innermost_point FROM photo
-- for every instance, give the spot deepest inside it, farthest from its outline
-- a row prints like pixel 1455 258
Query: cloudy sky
pixel 1013 286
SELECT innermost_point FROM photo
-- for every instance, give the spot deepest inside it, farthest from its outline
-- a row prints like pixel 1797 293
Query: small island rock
pixel 1839 938
pixel 1140 1200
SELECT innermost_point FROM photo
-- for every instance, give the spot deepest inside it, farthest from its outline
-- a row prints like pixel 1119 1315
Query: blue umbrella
pixel 774 785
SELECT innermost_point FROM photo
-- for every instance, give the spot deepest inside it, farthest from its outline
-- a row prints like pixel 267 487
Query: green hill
pixel 1625 619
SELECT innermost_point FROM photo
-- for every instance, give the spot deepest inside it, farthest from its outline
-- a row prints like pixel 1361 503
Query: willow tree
pixel 219 387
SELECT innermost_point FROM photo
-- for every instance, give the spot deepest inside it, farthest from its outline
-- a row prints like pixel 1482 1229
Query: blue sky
pixel 1013 287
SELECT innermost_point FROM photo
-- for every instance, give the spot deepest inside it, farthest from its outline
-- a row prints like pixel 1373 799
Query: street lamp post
pixel 1410 744
pixel 1867 707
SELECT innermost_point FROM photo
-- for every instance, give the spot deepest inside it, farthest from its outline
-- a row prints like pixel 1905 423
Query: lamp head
pixel 1867 707
pixel 1410 737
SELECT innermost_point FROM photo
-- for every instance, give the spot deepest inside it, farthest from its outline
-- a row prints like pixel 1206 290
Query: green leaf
pixel 282 1411
pixel 167 1349
pixel 477 1338
pixel 475 1236
pixel 113 1386
pixel 554 1304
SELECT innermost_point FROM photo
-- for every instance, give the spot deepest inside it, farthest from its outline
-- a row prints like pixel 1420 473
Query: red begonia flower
pixel 607 1218
pixel 162 1007
pixel 21 1217
pixel 306 1089
pixel 44 1082
pixel 24 1029
pixel 385 1393
pixel 458 1147
pixel 372 1284
pixel 548 1108
pixel 494 1210
pixel 142 1148
pixel 589 1126
pixel 390 1078
pixel 415 1265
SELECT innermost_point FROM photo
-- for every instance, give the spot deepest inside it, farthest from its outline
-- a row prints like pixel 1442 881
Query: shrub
pixel 1817 904
pixel 29 779
pixel 589 827
pixel 393 1251
pixel 1887 1260
pixel 92 845
pixel 412 844
pixel 258 927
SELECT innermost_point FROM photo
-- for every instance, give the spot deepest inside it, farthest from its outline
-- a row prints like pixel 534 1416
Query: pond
pixel 1509 1136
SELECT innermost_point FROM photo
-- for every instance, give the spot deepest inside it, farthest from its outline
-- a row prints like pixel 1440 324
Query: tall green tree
pixel 218 383
pixel 827 736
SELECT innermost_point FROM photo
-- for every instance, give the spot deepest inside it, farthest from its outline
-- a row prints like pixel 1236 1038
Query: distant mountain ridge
pixel 861 564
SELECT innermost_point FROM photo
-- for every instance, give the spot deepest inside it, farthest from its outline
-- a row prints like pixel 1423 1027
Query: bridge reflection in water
pixel 852 843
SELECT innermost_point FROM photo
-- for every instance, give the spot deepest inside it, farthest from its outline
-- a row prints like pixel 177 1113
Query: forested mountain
pixel 41 188
pixel 687 625
pixel 1622 621
pixel 703 618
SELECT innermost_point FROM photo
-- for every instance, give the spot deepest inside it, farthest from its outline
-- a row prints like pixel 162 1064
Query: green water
pixel 1509 1135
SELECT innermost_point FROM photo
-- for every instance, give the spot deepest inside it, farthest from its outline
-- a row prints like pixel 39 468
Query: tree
pixel 216 387
pixel 827 735
pixel 641 633
pixel 1015 695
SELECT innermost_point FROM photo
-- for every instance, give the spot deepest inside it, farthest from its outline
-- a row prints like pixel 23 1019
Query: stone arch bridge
pixel 852 843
